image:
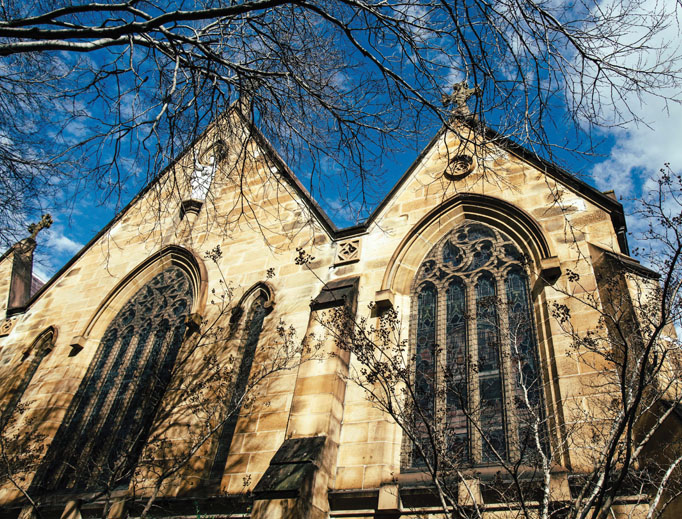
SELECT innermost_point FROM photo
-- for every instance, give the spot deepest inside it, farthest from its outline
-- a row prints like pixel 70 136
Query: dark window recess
pixel 252 331
pixel 108 421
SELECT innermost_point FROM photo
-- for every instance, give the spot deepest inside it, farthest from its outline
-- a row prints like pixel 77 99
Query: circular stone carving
pixel 459 167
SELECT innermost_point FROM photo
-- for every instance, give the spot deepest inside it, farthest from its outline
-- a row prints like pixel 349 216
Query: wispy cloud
pixel 54 250
pixel 642 148
pixel 60 243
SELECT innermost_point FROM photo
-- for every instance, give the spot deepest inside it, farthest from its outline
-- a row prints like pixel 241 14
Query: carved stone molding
pixel 7 325
pixel 348 251
pixel 190 206
pixel 459 167
pixel 78 343
pixel 337 293
pixel 384 299
pixel 550 270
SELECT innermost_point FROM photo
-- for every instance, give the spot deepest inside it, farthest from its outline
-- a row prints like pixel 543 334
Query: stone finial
pixel 21 274
pixel 459 97
pixel 44 223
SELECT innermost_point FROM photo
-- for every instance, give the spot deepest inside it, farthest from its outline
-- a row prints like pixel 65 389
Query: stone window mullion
pixel 510 418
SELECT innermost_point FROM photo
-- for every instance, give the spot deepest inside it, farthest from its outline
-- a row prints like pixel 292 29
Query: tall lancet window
pixel 256 312
pixel 477 385
pixel 108 422
pixel 24 372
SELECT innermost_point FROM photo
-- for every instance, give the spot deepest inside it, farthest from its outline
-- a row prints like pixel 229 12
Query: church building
pixel 221 348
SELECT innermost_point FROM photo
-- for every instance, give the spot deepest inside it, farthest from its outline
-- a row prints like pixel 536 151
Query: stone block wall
pixel 261 221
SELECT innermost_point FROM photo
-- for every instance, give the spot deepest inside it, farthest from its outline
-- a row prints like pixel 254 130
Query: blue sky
pixel 629 156
pixel 627 159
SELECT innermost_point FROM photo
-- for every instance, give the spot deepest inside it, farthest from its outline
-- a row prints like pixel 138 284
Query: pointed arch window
pixel 23 374
pixel 476 376
pixel 108 421
pixel 260 306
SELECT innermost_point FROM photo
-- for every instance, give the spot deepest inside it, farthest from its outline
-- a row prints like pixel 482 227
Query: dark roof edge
pixel 416 162
pixel 604 201
pixel 286 172
pixel 628 263
pixel 7 252
pixel 115 219
pixel 613 207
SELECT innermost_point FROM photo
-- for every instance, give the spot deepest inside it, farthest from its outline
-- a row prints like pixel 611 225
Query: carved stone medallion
pixel 6 326
pixel 459 167
pixel 348 252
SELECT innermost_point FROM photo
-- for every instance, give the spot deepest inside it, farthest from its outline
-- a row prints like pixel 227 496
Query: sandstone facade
pixel 264 223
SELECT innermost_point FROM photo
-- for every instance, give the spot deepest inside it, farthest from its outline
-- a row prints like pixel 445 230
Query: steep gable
pixel 266 167
pixel 505 172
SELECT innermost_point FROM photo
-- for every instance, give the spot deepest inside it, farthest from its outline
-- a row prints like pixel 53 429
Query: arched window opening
pixel 476 374
pixel 524 364
pixel 107 424
pixel 489 370
pixel 257 311
pixel 456 378
pixel 23 374
pixel 425 365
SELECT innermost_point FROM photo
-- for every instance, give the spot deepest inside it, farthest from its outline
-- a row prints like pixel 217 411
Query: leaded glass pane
pixel 452 254
pixel 108 421
pixel 477 231
pixel 425 366
pixel 456 370
pixel 490 377
pixel 522 341
pixel 527 401
pixel 482 255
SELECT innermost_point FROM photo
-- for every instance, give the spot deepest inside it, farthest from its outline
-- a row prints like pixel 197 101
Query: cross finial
pixel 459 97
pixel 44 223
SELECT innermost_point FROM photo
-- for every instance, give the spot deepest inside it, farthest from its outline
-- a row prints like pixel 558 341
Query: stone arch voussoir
pixel 521 227
pixel 172 255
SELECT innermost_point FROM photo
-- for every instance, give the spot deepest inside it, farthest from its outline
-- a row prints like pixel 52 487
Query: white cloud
pixel 54 250
pixel 640 151
pixel 642 148
pixel 40 272
pixel 60 243
pixel 415 19
pixel 343 210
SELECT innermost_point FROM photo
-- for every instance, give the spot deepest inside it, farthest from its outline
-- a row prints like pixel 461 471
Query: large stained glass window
pixel 109 419
pixel 476 375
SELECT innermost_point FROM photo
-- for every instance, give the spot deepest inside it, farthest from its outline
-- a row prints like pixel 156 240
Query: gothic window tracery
pixel 477 378
pixel 107 424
